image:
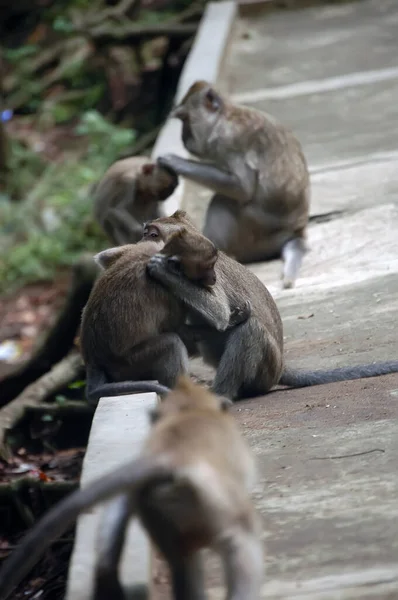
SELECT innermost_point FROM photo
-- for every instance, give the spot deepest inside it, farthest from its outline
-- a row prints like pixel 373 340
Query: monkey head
pixel 199 112
pixel 164 227
pixel 188 396
pixel 155 182
pixel 188 251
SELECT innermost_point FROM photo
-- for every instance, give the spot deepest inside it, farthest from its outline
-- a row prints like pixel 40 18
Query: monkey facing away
pixel 133 328
pixel 258 170
pixel 249 357
pixel 190 489
pixel 128 195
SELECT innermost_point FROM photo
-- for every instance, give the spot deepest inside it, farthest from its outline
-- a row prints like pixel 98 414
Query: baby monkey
pixel 134 331
pixel 128 195
pixel 190 489
pixel 258 170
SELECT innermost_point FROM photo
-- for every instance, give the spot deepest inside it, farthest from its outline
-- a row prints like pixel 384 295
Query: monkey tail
pixel 98 386
pixel 131 478
pixel 296 378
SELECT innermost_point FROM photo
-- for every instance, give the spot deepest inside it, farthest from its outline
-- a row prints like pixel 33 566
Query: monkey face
pixel 199 111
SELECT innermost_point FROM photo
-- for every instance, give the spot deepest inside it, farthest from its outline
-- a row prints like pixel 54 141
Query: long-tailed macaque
pixel 190 489
pixel 128 195
pixel 133 330
pixel 258 170
pixel 248 357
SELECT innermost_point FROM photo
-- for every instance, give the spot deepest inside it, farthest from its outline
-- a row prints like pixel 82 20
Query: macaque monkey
pixel 133 328
pixel 249 357
pixel 129 194
pixel 190 488
pixel 258 170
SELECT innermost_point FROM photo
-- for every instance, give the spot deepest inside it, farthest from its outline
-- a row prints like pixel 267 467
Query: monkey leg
pixel 163 357
pixel 110 545
pixel 186 570
pixel 250 364
pixel 187 578
pixel 292 254
pixel 242 556
pixel 221 223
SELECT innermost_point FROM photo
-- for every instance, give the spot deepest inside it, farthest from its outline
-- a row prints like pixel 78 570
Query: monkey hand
pixel 158 266
pixel 240 314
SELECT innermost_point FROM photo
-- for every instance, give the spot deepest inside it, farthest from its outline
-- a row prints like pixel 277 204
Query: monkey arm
pixel 207 175
pixel 212 308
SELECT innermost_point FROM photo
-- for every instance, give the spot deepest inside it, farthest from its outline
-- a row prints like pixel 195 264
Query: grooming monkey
pixel 133 329
pixel 128 195
pixel 249 357
pixel 258 170
pixel 190 489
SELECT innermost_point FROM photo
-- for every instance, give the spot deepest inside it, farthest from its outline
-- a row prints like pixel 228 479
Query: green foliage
pixel 54 225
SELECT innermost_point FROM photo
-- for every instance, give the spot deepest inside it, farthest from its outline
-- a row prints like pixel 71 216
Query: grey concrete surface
pixel 120 426
pixel 328 478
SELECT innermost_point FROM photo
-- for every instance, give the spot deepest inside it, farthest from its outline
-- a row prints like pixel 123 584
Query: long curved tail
pixel 297 378
pixel 98 386
pixel 130 477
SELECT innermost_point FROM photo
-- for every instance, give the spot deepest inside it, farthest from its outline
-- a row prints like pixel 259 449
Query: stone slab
pixel 347 124
pixel 119 427
pixel 287 47
pixel 370 182
pixel 329 512
pixel 343 251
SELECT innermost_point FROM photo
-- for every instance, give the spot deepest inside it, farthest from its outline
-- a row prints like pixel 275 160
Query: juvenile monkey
pixel 133 329
pixel 249 357
pixel 190 489
pixel 129 194
pixel 258 170
pixel 191 253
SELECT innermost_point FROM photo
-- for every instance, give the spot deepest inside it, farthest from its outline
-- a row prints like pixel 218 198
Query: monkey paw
pixel 174 264
pixel 240 314
pixel 288 284
pixel 156 264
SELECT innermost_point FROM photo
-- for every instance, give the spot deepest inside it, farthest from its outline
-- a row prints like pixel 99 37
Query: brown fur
pixel 128 195
pixel 264 208
pixel 189 487
pixel 234 285
pixel 195 254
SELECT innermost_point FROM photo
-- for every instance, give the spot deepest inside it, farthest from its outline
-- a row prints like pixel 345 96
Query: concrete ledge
pixel 204 62
pixel 120 426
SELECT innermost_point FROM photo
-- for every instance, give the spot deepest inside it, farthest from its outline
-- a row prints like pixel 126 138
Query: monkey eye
pixel 151 232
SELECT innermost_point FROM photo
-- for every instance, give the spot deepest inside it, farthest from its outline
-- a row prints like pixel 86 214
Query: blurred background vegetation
pixel 83 83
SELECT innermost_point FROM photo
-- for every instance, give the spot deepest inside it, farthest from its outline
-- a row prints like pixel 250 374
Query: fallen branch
pixel 60 375
pixel 61 336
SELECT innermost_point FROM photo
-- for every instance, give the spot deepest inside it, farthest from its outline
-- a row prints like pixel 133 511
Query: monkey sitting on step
pixel 128 195
pixel 190 489
pixel 258 170
pixel 133 329
pixel 249 357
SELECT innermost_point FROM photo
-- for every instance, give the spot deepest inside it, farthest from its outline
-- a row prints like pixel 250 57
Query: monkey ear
pixel 225 403
pixel 106 258
pixel 148 168
pixel 213 101
pixel 179 214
